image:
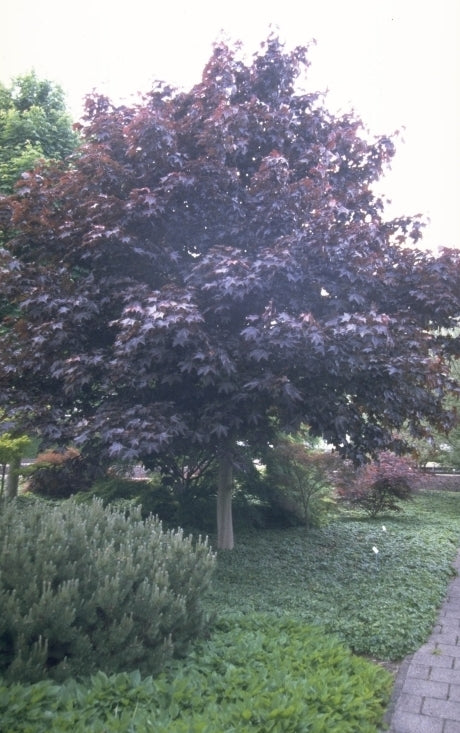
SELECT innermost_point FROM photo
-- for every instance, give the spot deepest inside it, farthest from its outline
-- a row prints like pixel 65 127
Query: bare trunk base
pixel 224 505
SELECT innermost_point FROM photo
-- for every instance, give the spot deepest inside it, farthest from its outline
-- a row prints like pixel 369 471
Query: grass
pixel 288 605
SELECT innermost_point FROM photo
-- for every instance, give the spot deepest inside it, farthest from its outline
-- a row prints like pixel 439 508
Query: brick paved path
pixel 426 696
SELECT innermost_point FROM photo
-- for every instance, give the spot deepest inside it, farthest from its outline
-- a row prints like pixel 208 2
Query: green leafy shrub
pixel 380 486
pixel 193 508
pixel 257 674
pixel 150 494
pixel 59 474
pixel 196 506
pixel 83 587
pixel 300 480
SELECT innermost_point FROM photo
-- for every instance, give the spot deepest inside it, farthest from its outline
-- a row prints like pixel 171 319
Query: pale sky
pixel 396 63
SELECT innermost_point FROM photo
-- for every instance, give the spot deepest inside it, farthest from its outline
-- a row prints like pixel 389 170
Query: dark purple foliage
pixel 214 264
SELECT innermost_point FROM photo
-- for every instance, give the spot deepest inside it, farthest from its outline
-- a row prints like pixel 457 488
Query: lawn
pixel 287 606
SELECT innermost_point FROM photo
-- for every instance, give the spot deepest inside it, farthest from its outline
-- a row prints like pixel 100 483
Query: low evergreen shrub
pixel 86 588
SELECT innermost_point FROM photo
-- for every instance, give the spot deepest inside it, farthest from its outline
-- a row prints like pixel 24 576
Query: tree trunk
pixel 224 504
pixel 12 480
pixel 2 485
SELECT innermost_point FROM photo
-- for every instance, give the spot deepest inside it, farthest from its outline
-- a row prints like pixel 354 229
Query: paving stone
pixel 452 613
pixel 442 660
pixel 441 708
pixel 441 674
pixel 447 636
pixel 450 650
pixel 446 622
pixel 412 723
pixel 423 672
pixel 410 703
pixel 428 648
pixel 425 688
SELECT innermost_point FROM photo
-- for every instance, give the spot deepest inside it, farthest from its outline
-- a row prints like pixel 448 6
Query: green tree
pixel 450 445
pixel 216 267
pixel 34 125
pixel 301 477
pixel 440 446
pixel 11 451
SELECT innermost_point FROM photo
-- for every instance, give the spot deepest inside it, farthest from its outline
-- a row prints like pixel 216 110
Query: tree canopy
pixel 215 265
pixel 34 124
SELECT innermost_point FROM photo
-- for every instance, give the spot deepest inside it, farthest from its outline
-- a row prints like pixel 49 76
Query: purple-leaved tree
pixel 213 266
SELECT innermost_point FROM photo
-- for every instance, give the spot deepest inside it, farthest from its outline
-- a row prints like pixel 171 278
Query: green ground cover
pixel 380 604
pixel 255 675
pixel 271 662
